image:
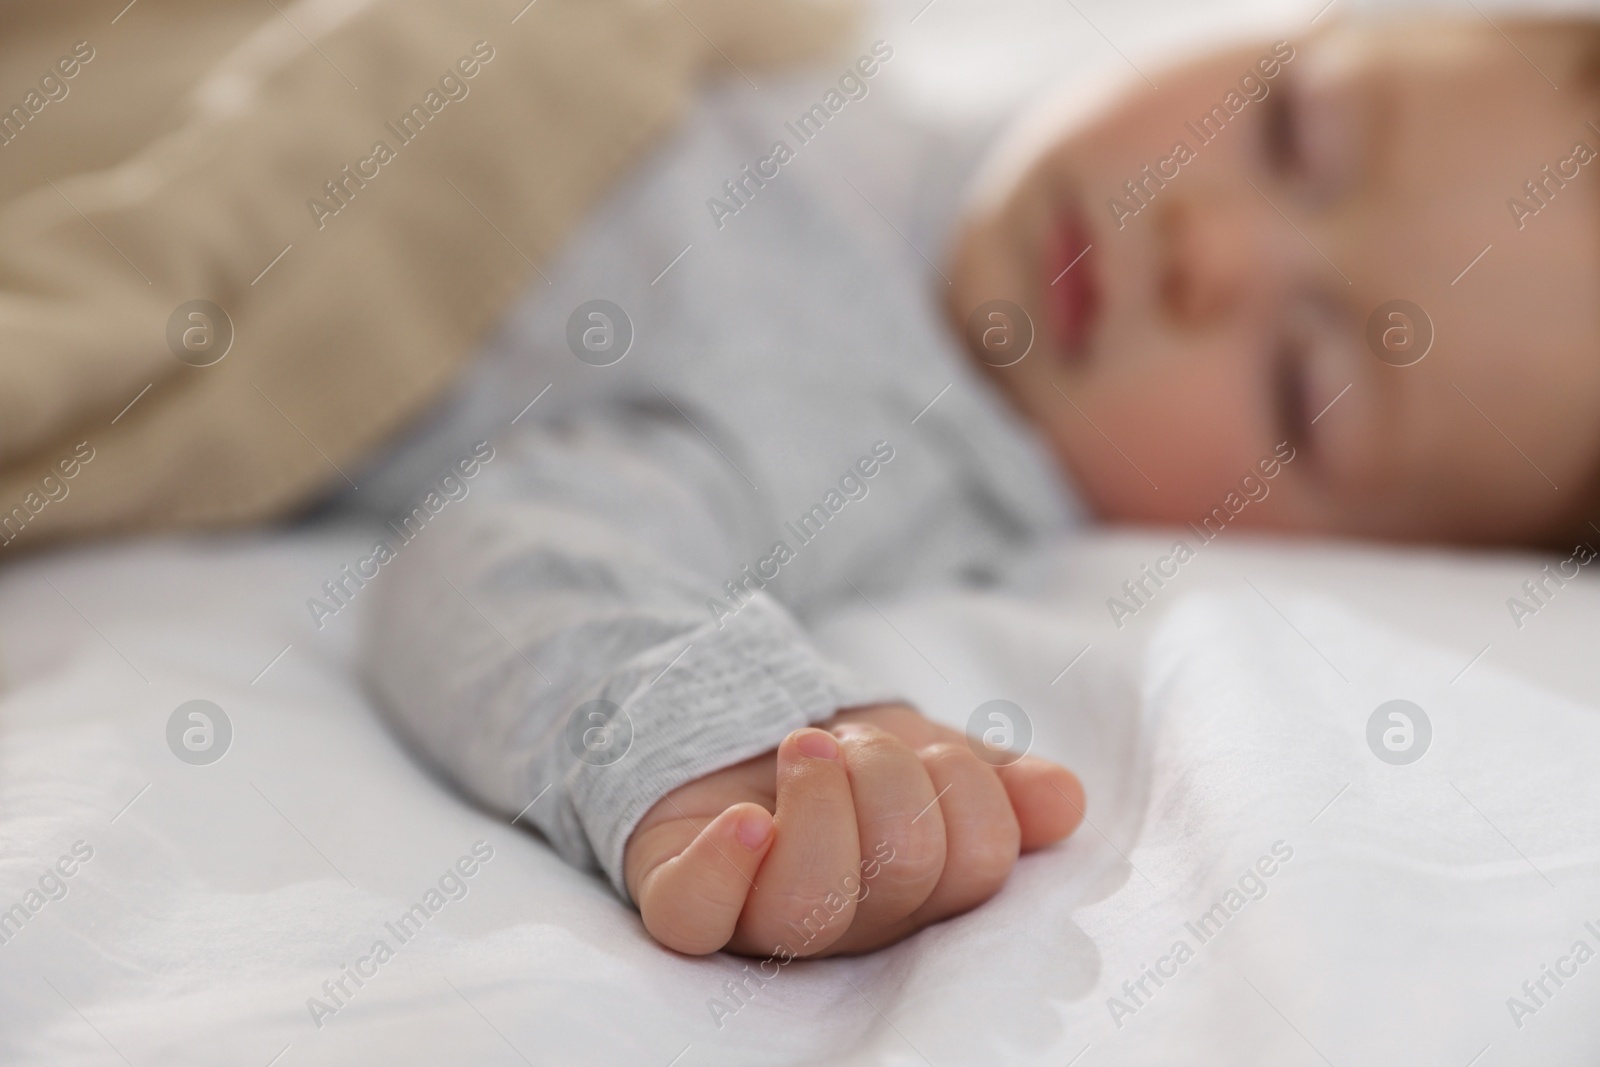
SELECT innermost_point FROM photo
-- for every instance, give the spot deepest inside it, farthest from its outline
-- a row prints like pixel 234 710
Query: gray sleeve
pixel 573 580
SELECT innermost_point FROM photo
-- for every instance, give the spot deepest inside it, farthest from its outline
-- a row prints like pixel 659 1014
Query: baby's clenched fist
pixel 844 839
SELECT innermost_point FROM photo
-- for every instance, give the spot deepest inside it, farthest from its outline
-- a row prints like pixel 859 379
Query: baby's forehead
pixel 1437 39
pixel 1535 54
pixel 1451 102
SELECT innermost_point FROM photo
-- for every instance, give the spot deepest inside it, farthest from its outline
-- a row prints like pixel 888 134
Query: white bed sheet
pixel 1225 718
pixel 1212 725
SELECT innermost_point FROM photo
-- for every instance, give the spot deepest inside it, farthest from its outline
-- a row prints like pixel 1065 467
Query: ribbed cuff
pixel 736 693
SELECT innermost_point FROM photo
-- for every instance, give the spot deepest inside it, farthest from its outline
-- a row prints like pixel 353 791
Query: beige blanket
pixel 241 244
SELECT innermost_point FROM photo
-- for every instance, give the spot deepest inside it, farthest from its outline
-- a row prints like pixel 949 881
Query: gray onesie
pixel 778 423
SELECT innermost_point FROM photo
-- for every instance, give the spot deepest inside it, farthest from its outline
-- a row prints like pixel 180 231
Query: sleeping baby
pixel 813 356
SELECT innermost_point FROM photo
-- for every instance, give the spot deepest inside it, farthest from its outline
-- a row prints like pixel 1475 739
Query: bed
pixel 1221 731
pixel 208 830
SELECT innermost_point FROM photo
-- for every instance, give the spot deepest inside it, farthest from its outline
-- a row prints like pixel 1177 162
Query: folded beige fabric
pixel 361 188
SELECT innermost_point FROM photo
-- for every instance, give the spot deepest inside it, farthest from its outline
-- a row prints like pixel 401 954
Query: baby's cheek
pixel 1154 457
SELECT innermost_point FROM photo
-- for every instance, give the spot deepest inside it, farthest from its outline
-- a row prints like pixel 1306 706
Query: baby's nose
pixel 1208 258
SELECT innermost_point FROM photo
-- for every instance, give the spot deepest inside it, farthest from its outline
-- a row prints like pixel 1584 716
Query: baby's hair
pixel 1587 524
pixel 1581 521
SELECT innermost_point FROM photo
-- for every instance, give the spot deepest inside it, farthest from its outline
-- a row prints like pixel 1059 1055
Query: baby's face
pixel 1225 308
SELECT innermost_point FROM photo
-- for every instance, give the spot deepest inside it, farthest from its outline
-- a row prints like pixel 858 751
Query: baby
pixel 1370 255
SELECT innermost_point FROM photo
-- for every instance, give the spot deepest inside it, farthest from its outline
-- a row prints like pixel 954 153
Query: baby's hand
pixel 843 840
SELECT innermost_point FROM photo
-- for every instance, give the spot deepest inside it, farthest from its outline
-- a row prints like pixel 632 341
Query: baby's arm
pixel 579 570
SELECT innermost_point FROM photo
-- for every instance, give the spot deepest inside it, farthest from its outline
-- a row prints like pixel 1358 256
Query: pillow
pixel 238 251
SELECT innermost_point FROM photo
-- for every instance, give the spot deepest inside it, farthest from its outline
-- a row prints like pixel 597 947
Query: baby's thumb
pixel 690 886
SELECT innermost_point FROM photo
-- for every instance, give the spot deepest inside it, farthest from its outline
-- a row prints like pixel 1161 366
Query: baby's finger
pixel 981 841
pixel 982 836
pixel 899 823
pixel 800 899
pixel 694 885
pixel 1047 798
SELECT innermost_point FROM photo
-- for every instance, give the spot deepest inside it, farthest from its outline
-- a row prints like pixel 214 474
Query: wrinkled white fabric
pixel 217 905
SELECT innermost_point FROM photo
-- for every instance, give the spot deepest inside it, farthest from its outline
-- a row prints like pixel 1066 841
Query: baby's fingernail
pixel 753 831
pixel 817 744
